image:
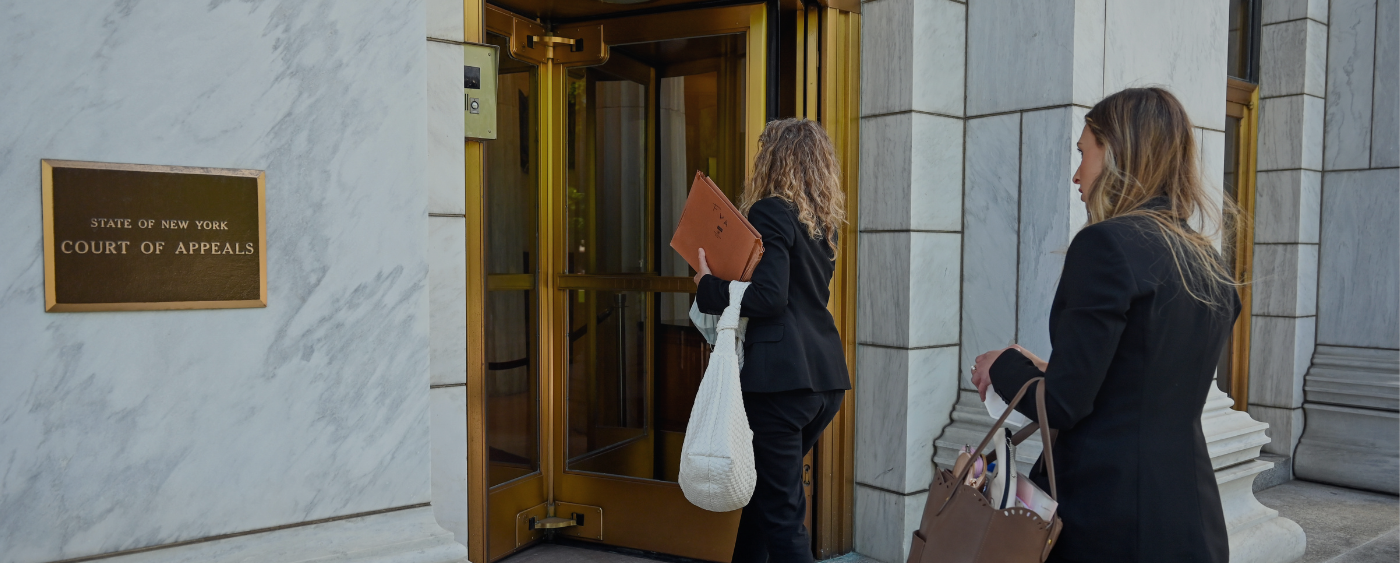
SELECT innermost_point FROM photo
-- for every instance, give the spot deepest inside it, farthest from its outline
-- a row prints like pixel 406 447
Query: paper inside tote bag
pixel 717 472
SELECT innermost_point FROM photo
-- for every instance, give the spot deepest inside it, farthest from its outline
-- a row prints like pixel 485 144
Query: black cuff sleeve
pixel 712 295
pixel 1012 370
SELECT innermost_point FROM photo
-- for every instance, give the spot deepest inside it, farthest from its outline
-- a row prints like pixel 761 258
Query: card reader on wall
pixel 479 90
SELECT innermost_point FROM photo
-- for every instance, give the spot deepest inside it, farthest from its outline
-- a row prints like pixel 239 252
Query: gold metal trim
pixel 839 101
pixel 586 45
pixel 592 526
pixel 662 284
pixel 1247 162
pixel 681 24
pixel 478 481
pixel 473 22
pixel 505 282
pixel 756 59
pixel 51 303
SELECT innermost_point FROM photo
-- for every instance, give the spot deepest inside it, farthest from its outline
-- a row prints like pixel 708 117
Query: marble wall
pixel 136 429
pixel 1352 388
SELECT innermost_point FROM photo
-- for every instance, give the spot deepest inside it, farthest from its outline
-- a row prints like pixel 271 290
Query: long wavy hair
pixel 797 163
pixel 1150 153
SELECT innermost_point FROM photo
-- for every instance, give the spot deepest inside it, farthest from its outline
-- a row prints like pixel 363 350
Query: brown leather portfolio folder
pixel 710 221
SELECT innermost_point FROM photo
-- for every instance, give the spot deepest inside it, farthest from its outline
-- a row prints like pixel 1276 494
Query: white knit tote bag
pixel 717 472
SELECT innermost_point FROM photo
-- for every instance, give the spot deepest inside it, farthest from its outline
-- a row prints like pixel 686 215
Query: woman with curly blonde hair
pixel 794 373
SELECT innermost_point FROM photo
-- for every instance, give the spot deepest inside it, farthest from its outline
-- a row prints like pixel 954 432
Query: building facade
pixel 469 337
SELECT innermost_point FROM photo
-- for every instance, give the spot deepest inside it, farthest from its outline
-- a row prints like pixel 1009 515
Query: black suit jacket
pixel 1134 356
pixel 791 342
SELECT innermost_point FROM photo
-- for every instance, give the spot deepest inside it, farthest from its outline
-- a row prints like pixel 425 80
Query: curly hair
pixel 797 163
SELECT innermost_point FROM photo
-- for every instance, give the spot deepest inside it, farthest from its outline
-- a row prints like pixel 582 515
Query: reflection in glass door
pixel 634 360
pixel 512 403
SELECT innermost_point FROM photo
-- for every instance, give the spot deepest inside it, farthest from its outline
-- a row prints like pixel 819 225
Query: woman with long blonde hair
pixel 794 375
pixel 1143 310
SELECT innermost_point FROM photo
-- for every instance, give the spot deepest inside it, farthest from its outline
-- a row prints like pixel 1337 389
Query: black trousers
pixel 785 427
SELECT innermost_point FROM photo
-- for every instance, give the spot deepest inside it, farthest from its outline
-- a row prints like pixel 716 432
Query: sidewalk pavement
pixel 1343 526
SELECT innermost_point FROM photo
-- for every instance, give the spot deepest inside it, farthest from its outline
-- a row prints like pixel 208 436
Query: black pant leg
pixel 771 527
pixel 831 402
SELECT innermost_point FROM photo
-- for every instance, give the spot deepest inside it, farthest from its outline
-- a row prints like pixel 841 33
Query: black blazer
pixel 1134 356
pixel 791 341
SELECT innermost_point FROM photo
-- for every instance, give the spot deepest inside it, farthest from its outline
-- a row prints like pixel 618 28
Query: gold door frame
pixel 831 94
pixel 1242 102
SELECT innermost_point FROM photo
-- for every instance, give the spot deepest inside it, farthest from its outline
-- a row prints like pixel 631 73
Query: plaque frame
pixel 51 304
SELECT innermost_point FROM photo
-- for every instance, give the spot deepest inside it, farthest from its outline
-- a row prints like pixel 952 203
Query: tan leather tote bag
pixel 960 525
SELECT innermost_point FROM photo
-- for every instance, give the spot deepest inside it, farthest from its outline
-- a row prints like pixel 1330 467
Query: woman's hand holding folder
pixel 702 266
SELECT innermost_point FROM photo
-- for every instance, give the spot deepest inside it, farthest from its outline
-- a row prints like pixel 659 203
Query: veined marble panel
pixel 991 207
pixel 886 59
pixel 1275 11
pixel 132 429
pixel 1285 280
pixel 449 471
pixel 1351 447
pixel 1280 349
pixel 1089 38
pixel 1020 55
pixel 1285 427
pixel 1290 133
pixel 447 299
pixel 1355 377
pixel 1385 108
pixel 1359 279
pixel 912 58
pixel 1350 65
pixel 1293 59
pixel 1051 214
pixel 906 398
pixel 445 20
pixel 909 289
pixel 447 159
pixel 1210 146
pixel 1178 45
pixel 401 536
pixel 911 172
pixel 1287 206
pixel 885 522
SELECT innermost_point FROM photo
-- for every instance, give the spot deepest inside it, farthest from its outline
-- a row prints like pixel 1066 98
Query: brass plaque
pixel 127 237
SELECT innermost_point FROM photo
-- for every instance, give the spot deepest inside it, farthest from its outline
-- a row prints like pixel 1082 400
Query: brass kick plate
pixel 524 532
pixel 590 520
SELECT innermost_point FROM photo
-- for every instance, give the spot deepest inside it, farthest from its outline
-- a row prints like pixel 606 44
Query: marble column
pixel 1288 189
pixel 906 363
pixel 1351 394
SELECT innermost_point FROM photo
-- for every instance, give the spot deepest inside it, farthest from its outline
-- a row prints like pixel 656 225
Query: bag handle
pixel 1047 452
pixel 1021 435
